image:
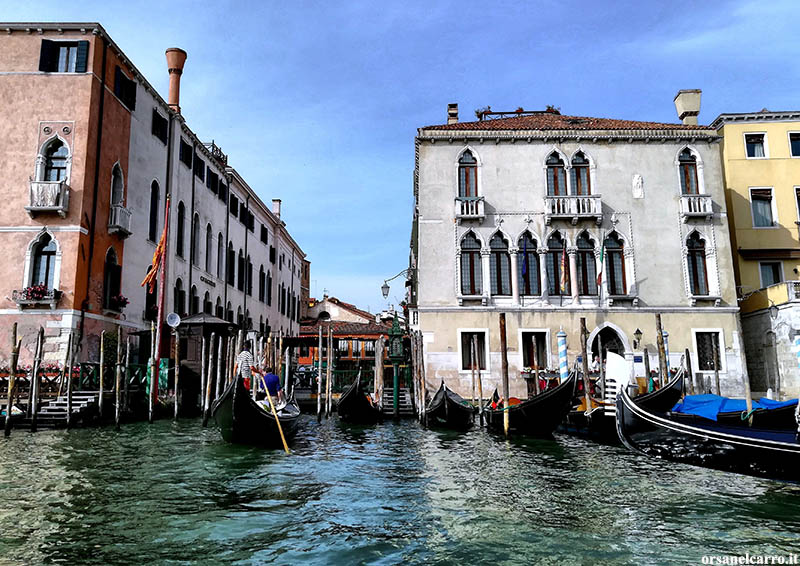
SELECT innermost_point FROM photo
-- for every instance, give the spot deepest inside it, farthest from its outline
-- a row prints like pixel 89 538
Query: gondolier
pixel 245 364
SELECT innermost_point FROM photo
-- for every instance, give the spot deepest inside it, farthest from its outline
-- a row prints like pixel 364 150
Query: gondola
pixel 538 416
pixel 600 424
pixel 766 414
pixel 759 452
pixel 449 410
pixel 245 421
pixel 356 406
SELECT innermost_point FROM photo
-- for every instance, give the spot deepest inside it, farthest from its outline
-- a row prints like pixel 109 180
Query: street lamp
pixel 385 286
pixel 637 338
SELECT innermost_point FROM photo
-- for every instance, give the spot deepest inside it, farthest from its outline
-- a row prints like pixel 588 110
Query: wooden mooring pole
pixel 587 396
pixel 125 397
pixel 206 393
pixel 715 365
pixel 647 376
pixel 662 353
pixel 118 380
pixel 34 386
pixel 220 365
pixel 101 372
pixel 153 377
pixel 69 378
pixel 319 375
pixel 329 373
pixel 176 372
pixel 504 366
pixel 480 381
pixel 12 377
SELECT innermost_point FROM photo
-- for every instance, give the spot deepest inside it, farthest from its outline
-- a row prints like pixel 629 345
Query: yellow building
pixel 761 172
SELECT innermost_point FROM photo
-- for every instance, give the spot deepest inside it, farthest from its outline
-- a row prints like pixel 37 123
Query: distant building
pixel 761 163
pixel 90 153
pixel 511 214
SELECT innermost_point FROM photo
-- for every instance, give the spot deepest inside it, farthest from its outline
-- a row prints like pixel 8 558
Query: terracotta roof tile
pixel 553 121
pixel 344 328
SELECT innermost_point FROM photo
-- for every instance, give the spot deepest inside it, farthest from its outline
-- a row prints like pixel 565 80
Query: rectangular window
pixel 466 350
pixel 222 194
pixel 264 234
pixel 63 56
pixel 754 145
pixel 199 168
pixel 761 200
pixel 771 273
pixel 185 153
pixel 534 350
pixel 212 181
pixel 794 144
pixel 243 213
pixel 369 349
pixel 160 127
pixel 708 354
pixel 125 88
pixel 272 254
pixel 234 205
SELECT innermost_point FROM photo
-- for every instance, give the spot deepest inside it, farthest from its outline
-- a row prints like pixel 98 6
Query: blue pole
pixel 563 370
pixel 666 350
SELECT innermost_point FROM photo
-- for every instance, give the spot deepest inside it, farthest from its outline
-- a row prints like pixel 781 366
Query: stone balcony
pixel 573 208
pixel 31 298
pixel 119 221
pixel 47 197
pixel 469 208
pixel 696 206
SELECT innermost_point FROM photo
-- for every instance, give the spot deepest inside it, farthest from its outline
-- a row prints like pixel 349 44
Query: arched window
pixel 220 255
pixel 528 266
pixel 615 265
pixel 586 266
pixel 209 244
pixel 117 187
pixel 112 280
pixel 152 229
pixel 249 276
pixel 240 271
pixel 557 265
pixel 262 284
pixel 467 175
pixel 471 265
pixel 180 229
pixel 269 288
pixel 696 260
pixel 207 306
pixel 239 317
pixel 231 265
pixel 500 266
pixel 150 301
pixel 55 161
pixel 194 304
pixel 44 261
pixel 195 251
pixel 229 312
pixel 261 325
pixel 581 184
pixel 179 297
pixel 556 176
pixel 687 167
pixel 248 321
pixel 218 310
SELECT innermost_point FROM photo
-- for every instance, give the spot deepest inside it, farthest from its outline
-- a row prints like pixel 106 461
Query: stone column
pixel 573 272
pixel 485 276
pixel 514 275
pixel 543 273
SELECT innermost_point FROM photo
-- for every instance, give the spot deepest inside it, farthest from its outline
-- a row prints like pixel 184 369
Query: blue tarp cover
pixel 708 406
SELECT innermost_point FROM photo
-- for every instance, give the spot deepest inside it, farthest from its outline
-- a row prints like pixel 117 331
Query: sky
pixel 318 103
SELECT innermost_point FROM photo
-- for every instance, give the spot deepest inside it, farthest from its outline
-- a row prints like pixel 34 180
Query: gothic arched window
pixel 55 161
pixel 586 266
pixel 581 183
pixel 556 175
pixel 687 167
pixel 615 265
pixel 528 266
pixel 44 262
pixel 499 266
pixel 557 265
pixel 467 175
pixel 470 265
pixel 696 262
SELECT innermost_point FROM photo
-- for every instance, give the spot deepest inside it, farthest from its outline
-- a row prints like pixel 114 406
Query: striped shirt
pixel 245 362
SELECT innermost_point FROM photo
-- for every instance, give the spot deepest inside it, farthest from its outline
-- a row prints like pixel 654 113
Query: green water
pixel 394 493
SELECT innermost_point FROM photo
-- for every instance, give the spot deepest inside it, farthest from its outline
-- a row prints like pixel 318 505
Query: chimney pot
pixel 687 104
pixel 276 207
pixel 176 58
pixel 452 113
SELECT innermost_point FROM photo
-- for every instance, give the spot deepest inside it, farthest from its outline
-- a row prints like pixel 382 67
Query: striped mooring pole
pixel 666 349
pixel 563 370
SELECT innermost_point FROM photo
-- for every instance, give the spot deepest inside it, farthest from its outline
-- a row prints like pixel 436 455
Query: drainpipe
pixel 95 188
pixel 191 228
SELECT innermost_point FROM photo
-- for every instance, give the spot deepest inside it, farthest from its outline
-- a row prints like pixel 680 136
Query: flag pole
pixel 162 283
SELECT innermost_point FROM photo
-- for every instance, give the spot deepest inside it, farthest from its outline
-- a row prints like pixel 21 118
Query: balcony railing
pixel 696 206
pixel 469 208
pixel 28 297
pixel 119 221
pixel 574 208
pixel 48 196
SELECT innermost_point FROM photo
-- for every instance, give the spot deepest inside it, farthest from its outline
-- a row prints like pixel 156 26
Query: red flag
pixel 158 258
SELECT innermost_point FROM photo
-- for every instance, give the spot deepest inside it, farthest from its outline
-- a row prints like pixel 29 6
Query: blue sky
pixel 317 103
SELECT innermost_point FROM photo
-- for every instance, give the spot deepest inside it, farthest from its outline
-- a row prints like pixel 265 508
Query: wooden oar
pixel 274 414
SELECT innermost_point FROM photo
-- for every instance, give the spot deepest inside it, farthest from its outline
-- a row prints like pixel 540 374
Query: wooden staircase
pixel 53 414
pixel 405 406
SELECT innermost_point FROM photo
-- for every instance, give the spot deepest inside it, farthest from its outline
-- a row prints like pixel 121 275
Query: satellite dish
pixel 173 320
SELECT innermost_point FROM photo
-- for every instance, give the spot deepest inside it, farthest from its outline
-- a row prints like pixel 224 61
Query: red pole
pixel 162 283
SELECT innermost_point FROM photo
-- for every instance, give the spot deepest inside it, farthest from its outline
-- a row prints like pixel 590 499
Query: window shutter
pixel 47 56
pixel 83 57
pixel 130 94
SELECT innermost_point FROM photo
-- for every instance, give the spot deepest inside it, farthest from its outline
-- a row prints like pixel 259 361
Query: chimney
pixel 175 59
pixel 687 103
pixel 452 113
pixel 276 207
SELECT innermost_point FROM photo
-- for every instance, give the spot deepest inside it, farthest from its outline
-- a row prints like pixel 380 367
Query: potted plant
pixel 117 302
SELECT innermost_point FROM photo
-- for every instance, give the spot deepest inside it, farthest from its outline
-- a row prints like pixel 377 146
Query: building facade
pixel 92 153
pixel 761 163
pixel 520 212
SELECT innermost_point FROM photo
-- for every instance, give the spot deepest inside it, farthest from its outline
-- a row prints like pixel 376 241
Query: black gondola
pixel 778 418
pixel 244 421
pixel 538 416
pixel 356 406
pixel 449 410
pixel 600 423
pixel 758 452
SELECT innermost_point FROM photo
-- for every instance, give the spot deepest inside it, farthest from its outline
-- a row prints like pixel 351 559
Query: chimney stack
pixel 687 103
pixel 276 207
pixel 452 113
pixel 175 59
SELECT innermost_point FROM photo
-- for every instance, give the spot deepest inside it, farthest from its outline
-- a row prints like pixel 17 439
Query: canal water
pixel 393 493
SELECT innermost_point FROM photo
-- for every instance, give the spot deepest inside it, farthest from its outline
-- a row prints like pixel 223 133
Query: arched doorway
pixel 609 340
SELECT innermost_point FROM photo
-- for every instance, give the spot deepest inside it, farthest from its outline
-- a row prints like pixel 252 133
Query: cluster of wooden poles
pixel 328 405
